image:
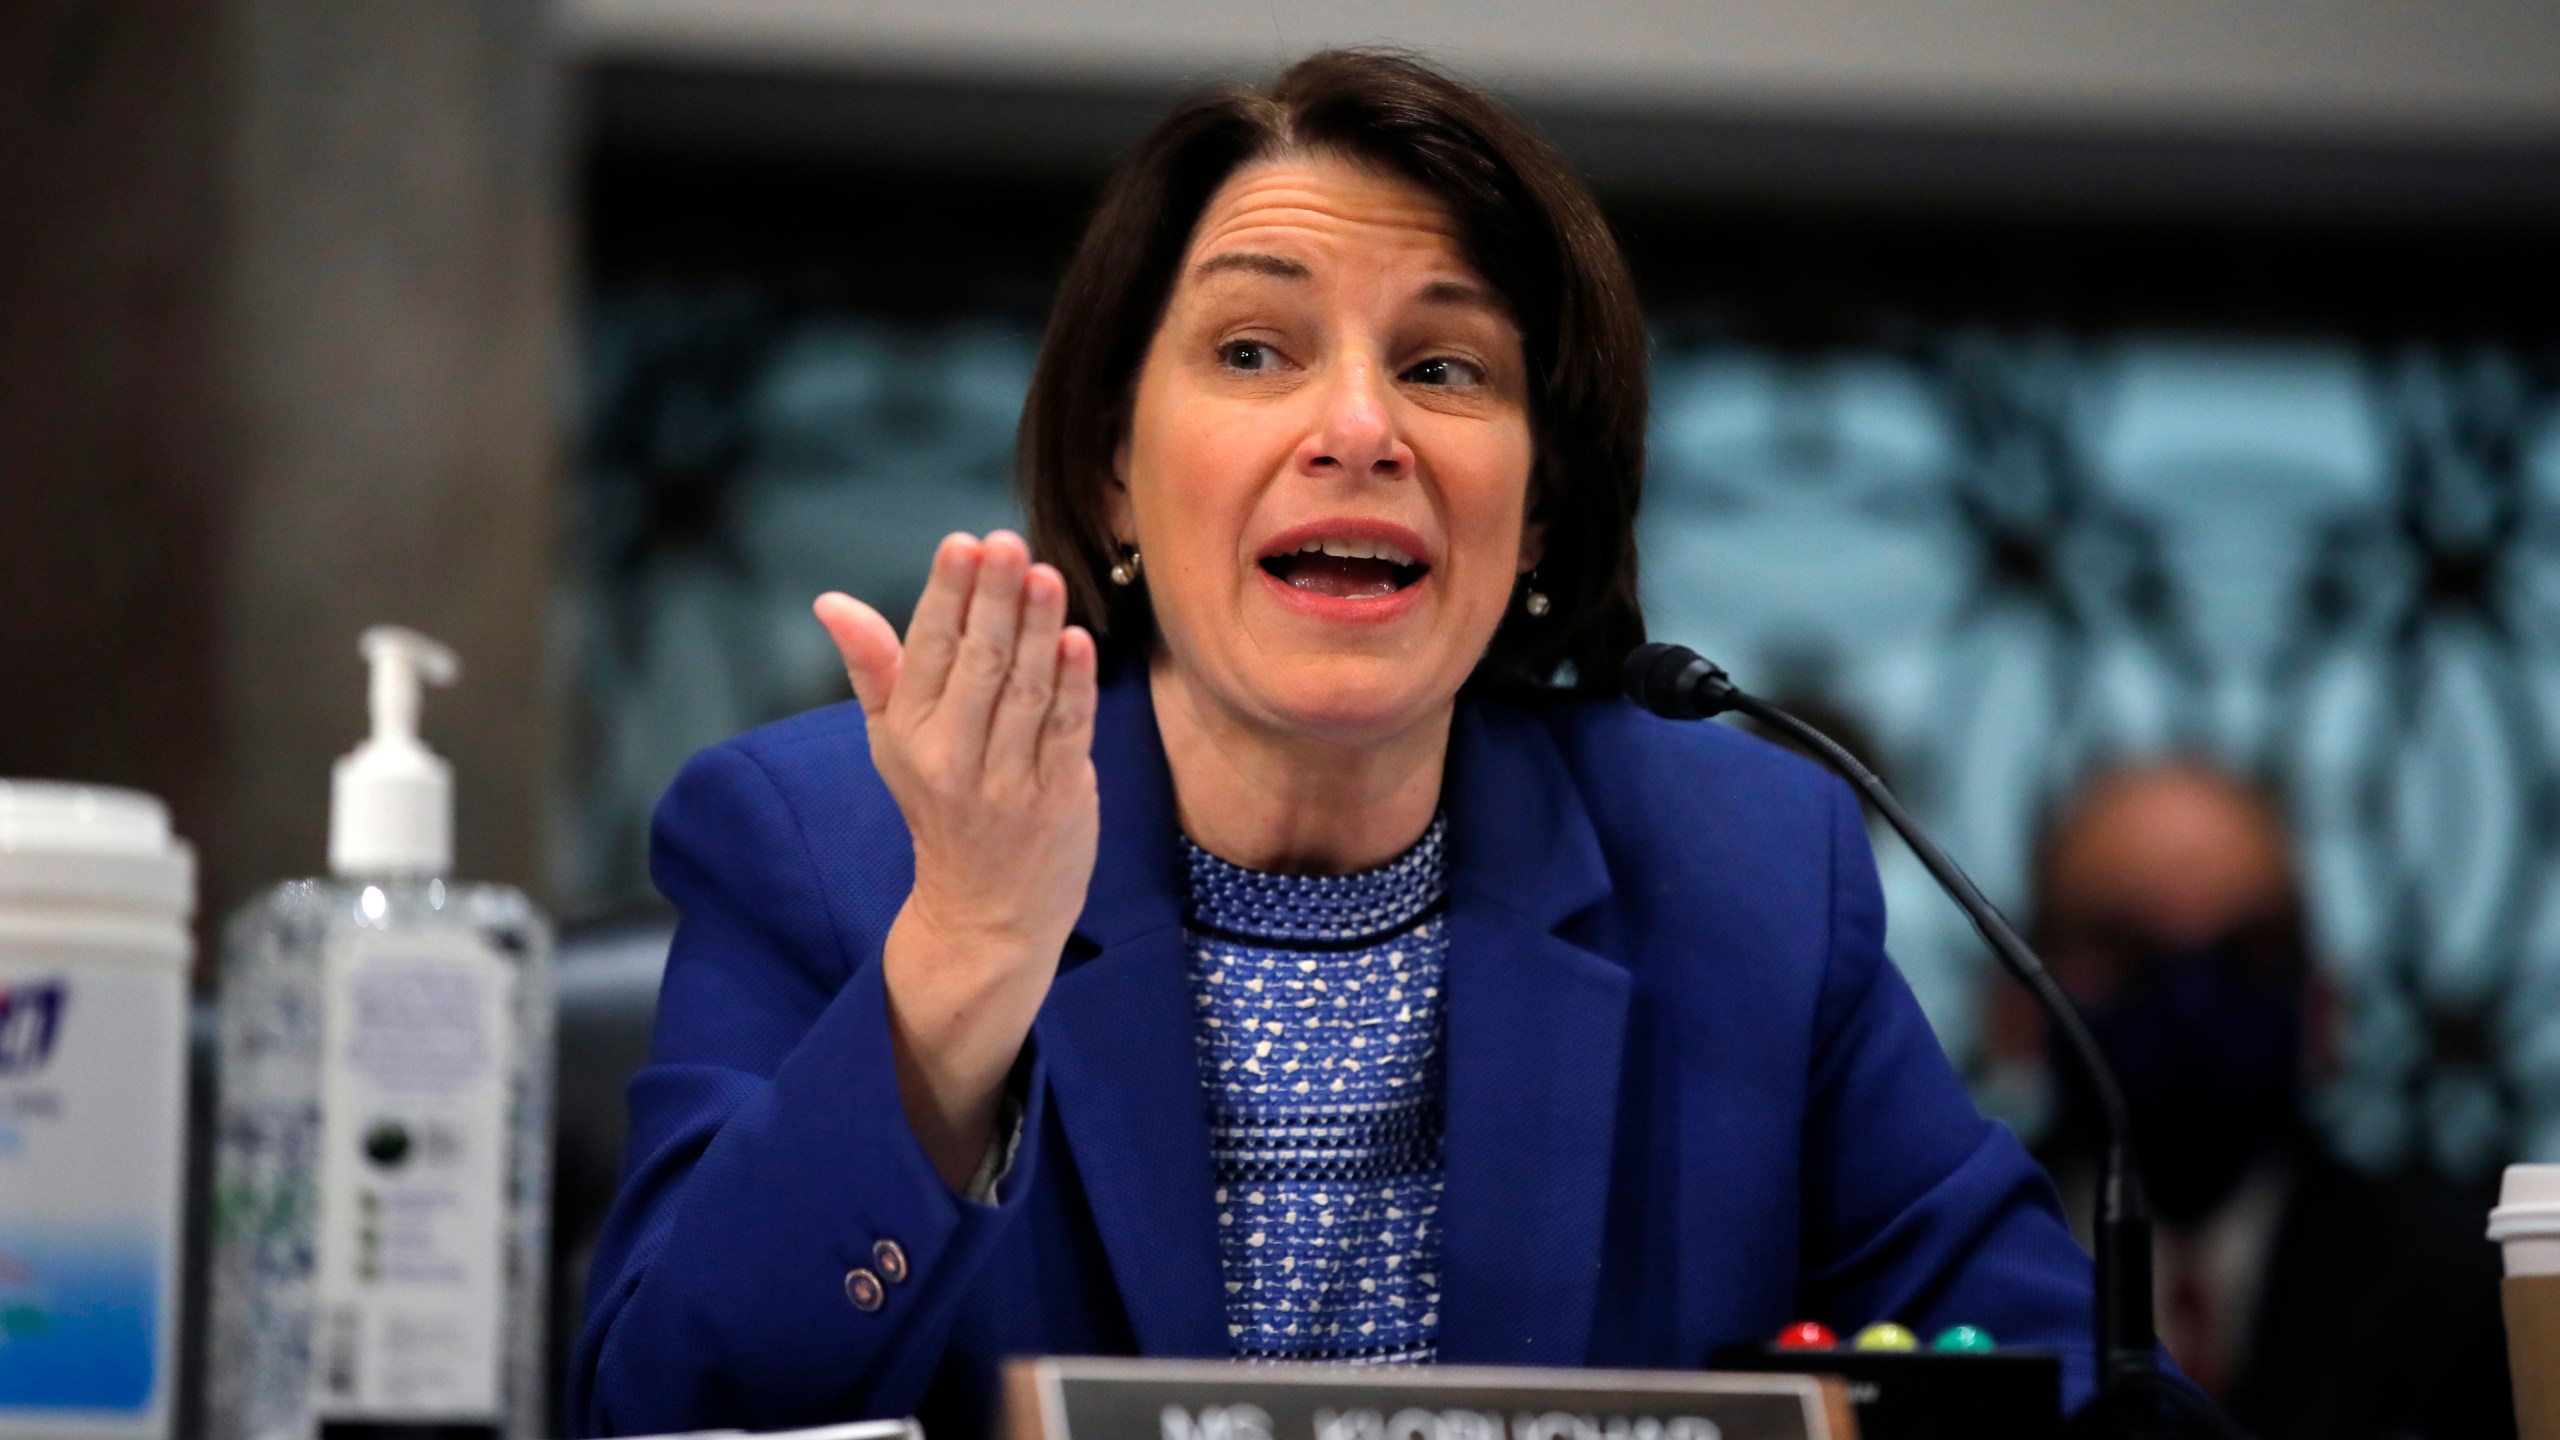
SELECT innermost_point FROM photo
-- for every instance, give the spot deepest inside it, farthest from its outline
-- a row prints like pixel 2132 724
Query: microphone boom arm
pixel 1677 682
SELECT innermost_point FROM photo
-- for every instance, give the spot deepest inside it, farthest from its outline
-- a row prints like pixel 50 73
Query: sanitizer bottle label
pixel 416 1081
pixel 92 1110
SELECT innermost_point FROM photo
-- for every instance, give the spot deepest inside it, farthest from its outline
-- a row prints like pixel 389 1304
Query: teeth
pixel 1356 550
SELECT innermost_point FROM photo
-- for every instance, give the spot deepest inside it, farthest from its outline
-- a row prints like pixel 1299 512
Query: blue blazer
pixel 1689 1099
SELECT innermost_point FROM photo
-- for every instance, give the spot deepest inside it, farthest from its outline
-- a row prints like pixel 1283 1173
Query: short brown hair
pixel 1524 220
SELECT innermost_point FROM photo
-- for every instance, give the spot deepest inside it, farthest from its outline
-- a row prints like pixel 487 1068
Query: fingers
pixel 933 634
pixel 1022 706
pixel 1003 688
pixel 1066 742
pixel 869 645
pixel 984 657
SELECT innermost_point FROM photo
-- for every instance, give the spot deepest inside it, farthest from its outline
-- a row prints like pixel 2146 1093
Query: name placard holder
pixel 1102 1399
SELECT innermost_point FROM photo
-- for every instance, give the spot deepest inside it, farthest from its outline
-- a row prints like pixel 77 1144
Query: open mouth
pixel 1346 569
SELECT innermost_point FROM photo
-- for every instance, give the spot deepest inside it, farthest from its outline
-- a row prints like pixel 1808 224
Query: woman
pixel 1338 973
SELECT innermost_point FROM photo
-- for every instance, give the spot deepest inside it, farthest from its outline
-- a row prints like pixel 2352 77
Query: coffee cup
pixel 2526 1226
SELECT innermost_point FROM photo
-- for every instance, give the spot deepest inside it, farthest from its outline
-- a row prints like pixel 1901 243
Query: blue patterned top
pixel 1319 999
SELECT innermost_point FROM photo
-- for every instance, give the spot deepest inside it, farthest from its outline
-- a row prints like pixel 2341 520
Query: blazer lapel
pixel 1116 1036
pixel 1536 1025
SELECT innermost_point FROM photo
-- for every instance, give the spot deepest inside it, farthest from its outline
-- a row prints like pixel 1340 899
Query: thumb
pixel 868 644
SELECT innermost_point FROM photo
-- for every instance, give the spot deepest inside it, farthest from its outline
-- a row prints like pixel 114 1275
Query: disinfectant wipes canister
pixel 95 895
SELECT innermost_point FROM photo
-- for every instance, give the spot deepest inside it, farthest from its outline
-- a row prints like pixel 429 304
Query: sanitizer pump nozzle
pixel 391 798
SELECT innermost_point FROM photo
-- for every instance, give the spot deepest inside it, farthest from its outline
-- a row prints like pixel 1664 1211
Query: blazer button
pixel 891 1261
pixel 864 1290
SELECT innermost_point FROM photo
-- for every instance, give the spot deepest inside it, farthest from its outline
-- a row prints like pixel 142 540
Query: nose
pixel 1356 436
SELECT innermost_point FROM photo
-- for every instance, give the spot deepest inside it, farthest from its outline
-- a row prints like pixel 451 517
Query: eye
pixel 1446 371
pixel 1251 356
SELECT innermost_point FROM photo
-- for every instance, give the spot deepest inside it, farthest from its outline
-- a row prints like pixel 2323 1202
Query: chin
pixel 1352 697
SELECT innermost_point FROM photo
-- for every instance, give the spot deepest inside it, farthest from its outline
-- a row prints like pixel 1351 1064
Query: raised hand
pixel 981 725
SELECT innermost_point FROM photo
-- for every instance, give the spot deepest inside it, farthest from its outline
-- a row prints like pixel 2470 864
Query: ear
pixel 1533 526
pixel 1122 516
pixel 1533 517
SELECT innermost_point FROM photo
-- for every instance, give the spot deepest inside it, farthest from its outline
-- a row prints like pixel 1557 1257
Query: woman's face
pixel 1327 465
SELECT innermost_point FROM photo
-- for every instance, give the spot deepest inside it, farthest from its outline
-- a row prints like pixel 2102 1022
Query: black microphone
pixel 1678 683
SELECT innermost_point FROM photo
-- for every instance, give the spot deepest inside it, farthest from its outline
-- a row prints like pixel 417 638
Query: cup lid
pixel 2528 1203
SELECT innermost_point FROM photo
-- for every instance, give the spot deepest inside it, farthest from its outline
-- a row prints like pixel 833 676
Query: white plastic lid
pixel 391 798
pixel 2528 1203
pixel 89 845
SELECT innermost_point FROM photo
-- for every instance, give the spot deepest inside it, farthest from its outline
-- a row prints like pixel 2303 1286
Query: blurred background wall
pixel 282 309
pixel 2039 383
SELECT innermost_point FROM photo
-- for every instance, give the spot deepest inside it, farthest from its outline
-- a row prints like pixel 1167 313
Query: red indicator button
pixel 1808 1335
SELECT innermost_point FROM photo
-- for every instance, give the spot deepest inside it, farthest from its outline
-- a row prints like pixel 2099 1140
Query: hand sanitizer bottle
pixel 381 1196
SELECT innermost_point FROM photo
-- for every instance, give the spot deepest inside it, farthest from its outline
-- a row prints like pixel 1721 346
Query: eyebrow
pixel 1473 297
pixel 1251 262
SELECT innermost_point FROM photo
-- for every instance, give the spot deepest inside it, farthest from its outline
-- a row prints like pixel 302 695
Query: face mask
pixel 2209 1051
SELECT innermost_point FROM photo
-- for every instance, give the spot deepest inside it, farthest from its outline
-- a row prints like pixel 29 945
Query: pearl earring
pixel 1124 571
pixel 1535 600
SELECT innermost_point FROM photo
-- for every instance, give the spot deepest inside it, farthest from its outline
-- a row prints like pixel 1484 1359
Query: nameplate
pixel 1096 1399
pixel 853 1430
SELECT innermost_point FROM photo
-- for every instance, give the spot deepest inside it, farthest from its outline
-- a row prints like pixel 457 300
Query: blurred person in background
pixel 2311 1298
pixel 1254 927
